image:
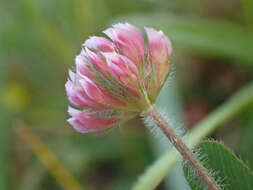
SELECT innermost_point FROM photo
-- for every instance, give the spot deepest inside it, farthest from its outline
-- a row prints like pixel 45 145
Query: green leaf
pixel 230 172
pixel 246 142
pixel 210 37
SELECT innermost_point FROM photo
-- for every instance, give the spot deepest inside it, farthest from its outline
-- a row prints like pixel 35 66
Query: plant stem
pixel 186 153
pixel 222 114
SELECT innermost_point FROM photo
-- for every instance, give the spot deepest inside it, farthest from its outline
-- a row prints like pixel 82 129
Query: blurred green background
pixel 39 39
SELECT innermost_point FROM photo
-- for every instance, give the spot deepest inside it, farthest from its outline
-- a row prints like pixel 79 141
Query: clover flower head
pixel 117 78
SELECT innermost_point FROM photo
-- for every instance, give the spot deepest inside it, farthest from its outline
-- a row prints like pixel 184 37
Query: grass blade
pixel 49 160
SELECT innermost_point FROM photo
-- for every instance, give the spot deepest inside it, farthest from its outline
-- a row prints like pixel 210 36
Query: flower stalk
pixel 185 152
pixel 118 78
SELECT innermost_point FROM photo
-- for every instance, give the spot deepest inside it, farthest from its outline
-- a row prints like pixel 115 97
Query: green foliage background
pixel 38 42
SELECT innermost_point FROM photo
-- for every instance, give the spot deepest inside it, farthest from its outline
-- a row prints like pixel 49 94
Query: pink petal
pixel 82 67
pixel 72 96
pixel 112 101
pixel 77 96
pixel 160 49
pixel 158 42
pixel 129 41
pixel 99 95
pixel 72 75
pixel 92 90
pixel 84 122
pixel 120 64
pixel 124 71
pixel 99 44
pixel 96 61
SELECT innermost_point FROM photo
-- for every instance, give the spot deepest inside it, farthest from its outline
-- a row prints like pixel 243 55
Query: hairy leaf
pixel 229 172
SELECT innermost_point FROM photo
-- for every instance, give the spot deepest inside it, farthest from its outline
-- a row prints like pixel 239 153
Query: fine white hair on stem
pixel 178 126
pixel 156 131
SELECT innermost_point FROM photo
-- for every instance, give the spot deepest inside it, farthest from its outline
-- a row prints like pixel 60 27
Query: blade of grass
pixel 37 173
pixel 237 103
pixel 49 160
pixel 46 33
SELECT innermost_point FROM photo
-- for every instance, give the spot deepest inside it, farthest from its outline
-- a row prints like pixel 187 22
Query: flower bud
pixel 116 80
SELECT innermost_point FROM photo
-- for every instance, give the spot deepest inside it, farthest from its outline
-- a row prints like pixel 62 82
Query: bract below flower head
pixel 118 79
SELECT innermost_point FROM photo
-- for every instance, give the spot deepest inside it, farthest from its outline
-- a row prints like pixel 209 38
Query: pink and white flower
pixel 116 80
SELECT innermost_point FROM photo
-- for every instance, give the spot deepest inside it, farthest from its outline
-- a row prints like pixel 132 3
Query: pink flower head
pixel 116 80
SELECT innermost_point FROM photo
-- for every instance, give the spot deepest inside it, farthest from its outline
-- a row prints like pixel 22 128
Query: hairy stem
pixel 186 153
pixel 225 112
